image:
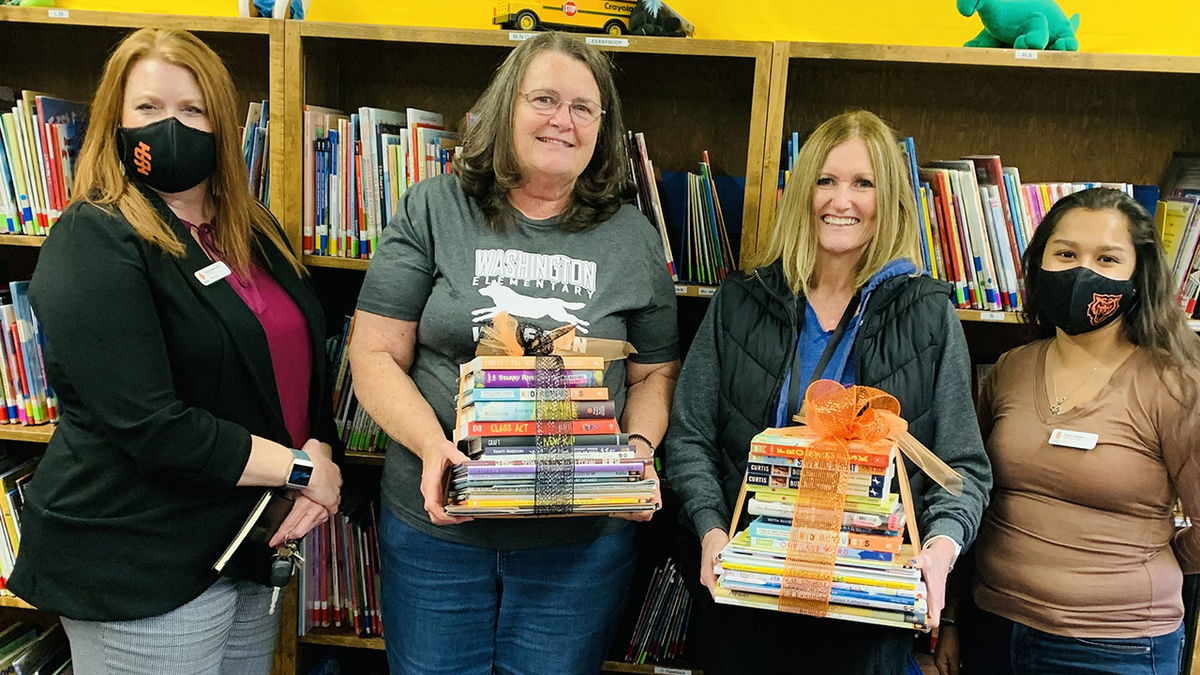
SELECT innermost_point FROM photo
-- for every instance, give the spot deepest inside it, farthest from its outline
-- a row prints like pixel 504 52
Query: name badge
pixel 213 273
pixel 1081 440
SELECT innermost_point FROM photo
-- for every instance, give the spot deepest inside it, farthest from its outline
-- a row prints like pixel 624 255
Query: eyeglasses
pixel 547 102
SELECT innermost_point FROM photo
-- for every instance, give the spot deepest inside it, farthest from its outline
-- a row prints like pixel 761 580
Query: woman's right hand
pixel 435 460
pixel 710 545
pixel 946 656
pixel 325 486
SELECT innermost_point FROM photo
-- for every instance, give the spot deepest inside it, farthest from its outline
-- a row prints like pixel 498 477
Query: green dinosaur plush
pixel 1022 24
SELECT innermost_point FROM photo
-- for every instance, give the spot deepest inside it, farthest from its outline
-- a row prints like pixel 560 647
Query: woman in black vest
pixel 837 295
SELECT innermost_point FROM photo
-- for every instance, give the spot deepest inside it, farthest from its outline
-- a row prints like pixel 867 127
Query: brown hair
pixel 487 168
pixel 1154 320
pixel 100 177
pixel 793 238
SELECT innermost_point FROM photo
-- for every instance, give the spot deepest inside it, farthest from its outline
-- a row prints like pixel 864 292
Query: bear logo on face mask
pixel 141 158
pixel 1102 307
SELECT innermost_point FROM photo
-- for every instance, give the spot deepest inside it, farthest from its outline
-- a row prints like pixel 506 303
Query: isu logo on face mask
pixel 141 158
pixel 1102 307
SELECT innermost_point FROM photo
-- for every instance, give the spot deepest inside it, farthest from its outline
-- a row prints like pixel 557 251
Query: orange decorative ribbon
pixel 837 415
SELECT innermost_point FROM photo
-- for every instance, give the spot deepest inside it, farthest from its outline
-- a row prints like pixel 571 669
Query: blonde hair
pixel 100 176
pixel 794 236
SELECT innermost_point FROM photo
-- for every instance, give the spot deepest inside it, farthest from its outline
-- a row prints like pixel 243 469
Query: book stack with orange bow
pixel 538 451
pixel 849 565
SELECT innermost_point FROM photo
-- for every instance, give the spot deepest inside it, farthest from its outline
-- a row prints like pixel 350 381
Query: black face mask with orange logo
pixel 1079 300
pixel 167 155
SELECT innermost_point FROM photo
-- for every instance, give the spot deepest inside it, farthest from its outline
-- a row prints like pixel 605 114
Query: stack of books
pixel 870 582
pixel 542 451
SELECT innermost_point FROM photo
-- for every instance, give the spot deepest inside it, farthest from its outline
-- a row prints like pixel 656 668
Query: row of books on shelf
pixel 976 218
pixel 705 254
pixel 357 166
pixel 339 582
pixel 356 429
pixel 15 475
pixel 40 138
pixel 27 397
pixel 26 649
pixel 256 148
pixel 660 632
pixel 542 441
pixel 1178 221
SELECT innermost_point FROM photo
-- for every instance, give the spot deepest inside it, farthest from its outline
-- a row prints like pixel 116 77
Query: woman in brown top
pixel 1092 434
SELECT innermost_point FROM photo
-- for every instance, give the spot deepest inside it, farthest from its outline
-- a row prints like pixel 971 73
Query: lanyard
pixel 794 390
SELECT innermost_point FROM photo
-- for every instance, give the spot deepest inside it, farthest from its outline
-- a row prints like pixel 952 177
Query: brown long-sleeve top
pixel 1082 542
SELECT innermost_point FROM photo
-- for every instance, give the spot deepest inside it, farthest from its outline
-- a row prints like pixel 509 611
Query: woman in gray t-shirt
pixel 534 222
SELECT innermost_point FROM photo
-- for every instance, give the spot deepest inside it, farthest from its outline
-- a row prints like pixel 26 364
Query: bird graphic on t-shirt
pixel 505 299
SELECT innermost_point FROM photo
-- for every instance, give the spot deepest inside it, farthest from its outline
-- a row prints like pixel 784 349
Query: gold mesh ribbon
pixel 837 415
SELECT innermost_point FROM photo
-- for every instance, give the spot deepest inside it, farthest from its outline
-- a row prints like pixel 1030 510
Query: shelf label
pixel 708 291
pixel 681 290
pixel 663 670
pixel 1027 54
pixel 59 13
pixel 607 41
pixel 991 316
pixel 520 37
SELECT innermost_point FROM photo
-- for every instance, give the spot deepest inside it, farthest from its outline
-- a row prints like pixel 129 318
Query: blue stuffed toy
pixel 1022 24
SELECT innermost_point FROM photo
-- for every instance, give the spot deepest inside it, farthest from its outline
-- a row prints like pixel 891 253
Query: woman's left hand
pixel 935 562
pixel 643 516
pixel 304 516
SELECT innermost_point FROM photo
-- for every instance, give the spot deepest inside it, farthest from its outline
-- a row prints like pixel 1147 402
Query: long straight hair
pixel 488 169
pixel 794 236
pixel 100 177
pixel 1153 320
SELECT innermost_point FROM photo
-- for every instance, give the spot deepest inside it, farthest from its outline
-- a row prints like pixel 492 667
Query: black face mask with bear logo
pixel 1079 300
pixel 167 155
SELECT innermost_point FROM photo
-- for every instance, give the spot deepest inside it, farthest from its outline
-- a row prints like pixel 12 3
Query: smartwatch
pixel 301 472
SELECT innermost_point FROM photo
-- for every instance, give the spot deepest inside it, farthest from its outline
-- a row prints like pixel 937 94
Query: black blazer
pixel 161 380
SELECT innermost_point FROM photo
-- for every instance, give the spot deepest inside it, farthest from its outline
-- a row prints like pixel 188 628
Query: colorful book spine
pixel 506 411
pixel 528 428
pixel 529 378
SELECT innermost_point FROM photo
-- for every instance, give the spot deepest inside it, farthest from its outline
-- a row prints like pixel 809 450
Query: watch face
pixel 301 474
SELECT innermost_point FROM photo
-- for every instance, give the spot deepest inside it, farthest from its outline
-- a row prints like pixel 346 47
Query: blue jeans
pixel 463 610
pixel 993 645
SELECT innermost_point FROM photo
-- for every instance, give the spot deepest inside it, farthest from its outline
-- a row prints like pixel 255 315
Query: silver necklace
pixel 1056 407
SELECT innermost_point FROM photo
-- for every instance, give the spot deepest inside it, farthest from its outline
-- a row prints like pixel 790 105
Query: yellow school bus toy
pixel 606 16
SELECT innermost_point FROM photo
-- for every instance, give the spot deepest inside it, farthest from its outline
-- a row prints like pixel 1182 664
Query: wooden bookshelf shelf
pixel 694 291
pixel 7 600
pixel 93 18
pixel 988 317
pixel 28 434
pixel 336 262
pixel 371 458
pixel 340 638
pixel 1007 58
pixel 21 240
pixel 622 667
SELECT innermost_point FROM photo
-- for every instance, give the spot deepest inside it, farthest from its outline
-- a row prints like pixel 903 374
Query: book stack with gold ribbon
pixel 542 434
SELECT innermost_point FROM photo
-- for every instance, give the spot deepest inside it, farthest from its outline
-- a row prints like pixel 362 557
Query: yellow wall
pixel 1148 27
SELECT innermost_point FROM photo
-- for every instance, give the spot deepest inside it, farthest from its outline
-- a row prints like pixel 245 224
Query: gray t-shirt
pixel 440 265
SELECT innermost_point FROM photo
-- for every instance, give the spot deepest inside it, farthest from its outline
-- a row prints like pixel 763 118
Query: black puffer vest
pixel 897 348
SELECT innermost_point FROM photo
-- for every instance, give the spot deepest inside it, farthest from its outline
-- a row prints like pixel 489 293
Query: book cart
pixel 1058 116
